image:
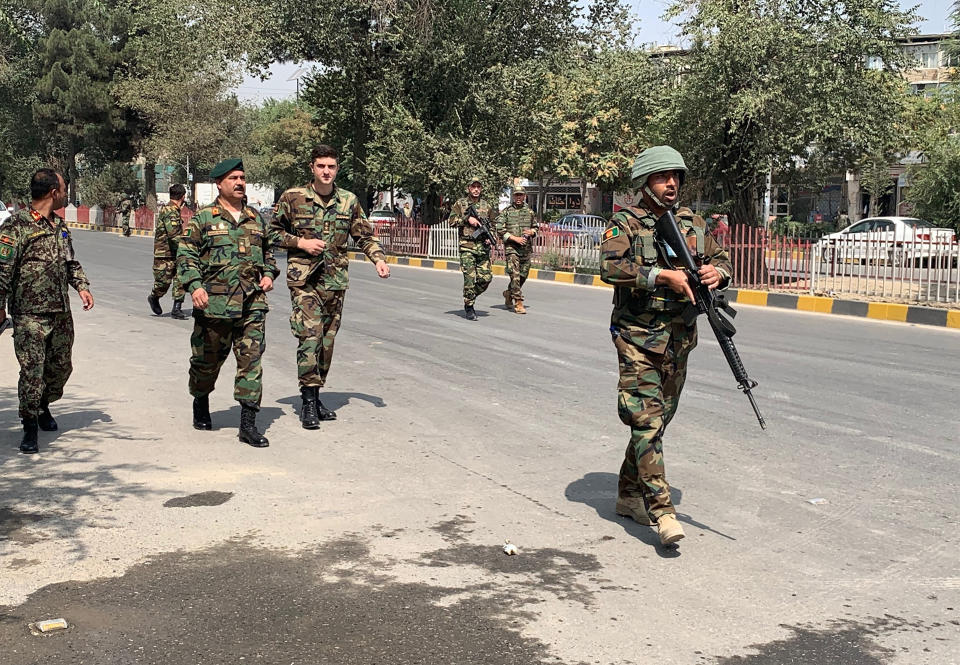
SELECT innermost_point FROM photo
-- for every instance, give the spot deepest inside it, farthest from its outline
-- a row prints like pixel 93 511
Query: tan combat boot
pixel 669 529
pixel 634 508
pixel 518 307
pixel 508 299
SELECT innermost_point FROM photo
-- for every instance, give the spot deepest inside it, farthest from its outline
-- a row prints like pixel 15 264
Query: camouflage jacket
pixel 458 219
pixel 300 213
pixel 228 259
pixel 513 221
pixel 37 264
pixel 167 231
pixel 629 260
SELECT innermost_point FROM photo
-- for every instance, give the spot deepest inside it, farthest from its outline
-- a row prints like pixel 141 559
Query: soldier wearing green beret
pixel 224 261
pixel 517 225
pixel 314 223
pixel 474 254
pixel 650 331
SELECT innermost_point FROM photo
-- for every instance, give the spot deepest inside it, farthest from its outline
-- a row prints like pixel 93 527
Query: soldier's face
pixel 474 188
pixel 324 169
pixel 519 199
pixel 233 186
pixel 665 186
pixel 60 195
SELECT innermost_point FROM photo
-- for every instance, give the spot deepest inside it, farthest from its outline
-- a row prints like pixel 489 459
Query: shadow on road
pixel 230 418
pixel 459 312
pixel 334 401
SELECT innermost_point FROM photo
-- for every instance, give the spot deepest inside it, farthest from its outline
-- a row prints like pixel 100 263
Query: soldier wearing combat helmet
pixel 650 331
pixel 517 226
pixel 474 253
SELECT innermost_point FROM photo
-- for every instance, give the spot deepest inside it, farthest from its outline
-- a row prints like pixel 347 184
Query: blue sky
pixel 650 29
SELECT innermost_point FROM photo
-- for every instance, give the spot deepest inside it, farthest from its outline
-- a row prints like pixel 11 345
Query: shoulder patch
pixel 6 252
pixel 6 240
pixel 611 233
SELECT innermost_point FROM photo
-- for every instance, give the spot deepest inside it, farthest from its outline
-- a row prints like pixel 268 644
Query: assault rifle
pixel 6 323
pixel 482 232
pixel 708 302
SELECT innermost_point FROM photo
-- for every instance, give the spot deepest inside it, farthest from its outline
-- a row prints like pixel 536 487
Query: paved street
pixel 377 539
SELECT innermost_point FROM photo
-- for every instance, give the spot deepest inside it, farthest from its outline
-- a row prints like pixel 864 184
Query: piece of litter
pixel 510 549
pixel 816 502
pixel 51 625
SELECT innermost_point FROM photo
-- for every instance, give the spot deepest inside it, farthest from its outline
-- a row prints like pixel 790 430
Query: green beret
pixel 224 167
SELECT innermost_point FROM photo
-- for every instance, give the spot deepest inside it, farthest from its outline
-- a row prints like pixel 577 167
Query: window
pixel 862 227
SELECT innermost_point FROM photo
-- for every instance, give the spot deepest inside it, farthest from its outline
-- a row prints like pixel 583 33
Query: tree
pixel 933 127
pixel 74 103
pixel 770 84
pixel 282 135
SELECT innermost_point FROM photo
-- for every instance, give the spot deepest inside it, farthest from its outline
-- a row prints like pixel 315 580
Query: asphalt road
pixel 377 539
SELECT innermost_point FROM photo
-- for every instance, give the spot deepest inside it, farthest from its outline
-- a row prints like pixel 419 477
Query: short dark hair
pixel 324 150
pixel 177 191
pixel 43 182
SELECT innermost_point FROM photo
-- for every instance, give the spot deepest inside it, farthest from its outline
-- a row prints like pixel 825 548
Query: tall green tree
pixel 772 83
pixel 282 134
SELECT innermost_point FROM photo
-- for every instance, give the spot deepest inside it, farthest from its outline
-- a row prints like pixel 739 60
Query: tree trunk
pixel 72 176
pixel 150 183
pixel 583 195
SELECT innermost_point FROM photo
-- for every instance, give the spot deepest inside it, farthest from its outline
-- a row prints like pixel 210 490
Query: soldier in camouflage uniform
pixel 474 254
pixel 650 332
pixel 124 212
pixel 517 225
pixel 314 223
pixel 37 264
pixel 169 226
pixel 225 262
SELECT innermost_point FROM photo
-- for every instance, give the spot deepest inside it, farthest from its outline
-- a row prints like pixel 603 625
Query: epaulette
pixel 215 211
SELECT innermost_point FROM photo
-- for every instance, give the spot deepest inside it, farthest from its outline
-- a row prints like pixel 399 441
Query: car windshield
pixel 916 223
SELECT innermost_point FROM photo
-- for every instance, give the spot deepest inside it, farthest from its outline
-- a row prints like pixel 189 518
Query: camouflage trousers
pixel 43 344
pixel 477 273
pixel 165 273
pixel 314 321
pixel 210 344
pixel 649 391
pixel 518 267
pixel 125 223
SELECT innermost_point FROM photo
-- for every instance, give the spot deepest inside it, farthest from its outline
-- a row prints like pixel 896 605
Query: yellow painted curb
pixel 441 265
pixel 752 298
pixel 415 262
pixel 953 319
pixel 887 311
pixel 499 270
pixel 534 274
pixel 815 304
pixel 566 277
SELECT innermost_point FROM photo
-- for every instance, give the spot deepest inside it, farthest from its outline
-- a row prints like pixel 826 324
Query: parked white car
pixel 4 212
pixel 887 240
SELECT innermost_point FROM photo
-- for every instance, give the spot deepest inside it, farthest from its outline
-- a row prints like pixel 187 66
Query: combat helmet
pixel 654 160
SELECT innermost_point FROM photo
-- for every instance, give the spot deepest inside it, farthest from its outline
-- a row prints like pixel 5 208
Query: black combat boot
pixel 29 444
pixel 470 312
pixel 201 413
pixel 154 303
pixel 248 426
pixel 45 420
pixel 323 413
pixel 308 414
pixel 177 311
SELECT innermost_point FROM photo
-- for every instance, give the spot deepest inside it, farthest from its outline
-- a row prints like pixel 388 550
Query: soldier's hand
pixel 200 298
pixel 383 270
pixel 710 276
pixel 266 283
pixel 529 232
pixel 520 240
pixel 87 299
pixel 473 221
pixel 676 280
pixel 312 246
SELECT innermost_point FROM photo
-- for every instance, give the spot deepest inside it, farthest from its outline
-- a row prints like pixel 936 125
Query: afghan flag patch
pixel 6 252
pixel 611 233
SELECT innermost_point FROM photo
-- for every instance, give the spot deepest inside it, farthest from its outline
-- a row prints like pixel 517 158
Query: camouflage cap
pixel 519 190
pixel 223 168
pixel 475 179
pixel 655 160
